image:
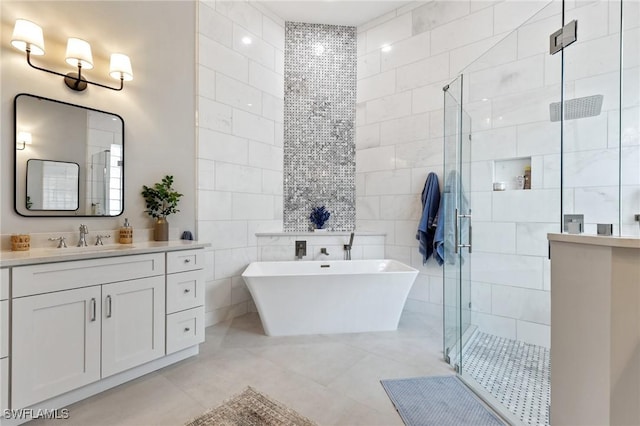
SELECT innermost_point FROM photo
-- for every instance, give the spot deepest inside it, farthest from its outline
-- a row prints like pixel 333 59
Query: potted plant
pixel 319 215
pixel 161 201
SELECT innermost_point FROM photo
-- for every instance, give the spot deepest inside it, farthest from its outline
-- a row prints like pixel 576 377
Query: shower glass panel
pixel 504 149
pixel 630 118
pixel 457 222
pixel 591 150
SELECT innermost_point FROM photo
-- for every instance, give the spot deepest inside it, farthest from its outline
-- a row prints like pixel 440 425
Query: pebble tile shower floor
pixel 517 374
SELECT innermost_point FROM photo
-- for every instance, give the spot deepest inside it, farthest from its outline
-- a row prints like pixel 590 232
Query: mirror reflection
pixel 52 185
pixel 69 159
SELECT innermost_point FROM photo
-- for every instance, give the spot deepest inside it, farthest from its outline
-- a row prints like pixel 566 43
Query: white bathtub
pixel 314 297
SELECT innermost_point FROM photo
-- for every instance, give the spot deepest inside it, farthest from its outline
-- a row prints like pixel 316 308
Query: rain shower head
pixel 588 106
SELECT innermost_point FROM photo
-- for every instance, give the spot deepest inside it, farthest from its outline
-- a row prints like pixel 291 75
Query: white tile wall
pixel 376 86
pixel 424 72
pixel 399 141
pixel 281 246
pixel 240 89
pixel 389 32
pixel 399 122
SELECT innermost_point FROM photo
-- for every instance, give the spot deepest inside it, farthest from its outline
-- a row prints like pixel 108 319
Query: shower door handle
pixel 457 231
pixel 470 230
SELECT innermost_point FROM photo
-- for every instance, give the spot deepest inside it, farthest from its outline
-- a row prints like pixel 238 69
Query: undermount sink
pixel 87 249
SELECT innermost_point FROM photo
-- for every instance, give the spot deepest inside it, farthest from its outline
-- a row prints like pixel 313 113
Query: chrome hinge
pixel 563 37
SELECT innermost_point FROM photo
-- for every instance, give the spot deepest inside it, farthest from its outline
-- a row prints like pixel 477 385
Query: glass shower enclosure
pixel 529 138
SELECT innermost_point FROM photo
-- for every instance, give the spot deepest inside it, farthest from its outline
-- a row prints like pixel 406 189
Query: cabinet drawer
pixel 185 291
pixel 4 383
pixel 48 277
pixel 185 329
pixel 185 260
pixel 4 328
pixel 4 284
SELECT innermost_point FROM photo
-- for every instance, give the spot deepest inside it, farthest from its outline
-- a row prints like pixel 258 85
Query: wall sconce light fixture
pixel 28 38
pixel 22 140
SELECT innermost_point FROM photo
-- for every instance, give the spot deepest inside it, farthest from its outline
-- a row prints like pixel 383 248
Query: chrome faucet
pixel 83 236
pixel 99 239
pixel 62 241
pixel 347 248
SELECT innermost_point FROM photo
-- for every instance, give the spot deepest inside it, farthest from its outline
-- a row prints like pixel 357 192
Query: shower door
pixel 456 216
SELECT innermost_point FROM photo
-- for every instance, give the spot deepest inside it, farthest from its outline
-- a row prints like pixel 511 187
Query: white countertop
pixel 598 240
pixel 49 255
pixel 318 234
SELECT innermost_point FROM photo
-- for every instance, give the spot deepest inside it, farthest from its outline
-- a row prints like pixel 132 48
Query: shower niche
pixel 509 174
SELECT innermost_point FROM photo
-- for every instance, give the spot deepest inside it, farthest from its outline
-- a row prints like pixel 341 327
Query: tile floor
pixel 517 374
pixel 332 379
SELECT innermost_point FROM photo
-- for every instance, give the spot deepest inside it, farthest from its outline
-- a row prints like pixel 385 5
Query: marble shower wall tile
pixel 240 171
pixel 319 124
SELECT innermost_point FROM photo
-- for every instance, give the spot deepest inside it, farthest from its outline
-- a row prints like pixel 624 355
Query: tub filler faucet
pixel 301 249
pixel 347 248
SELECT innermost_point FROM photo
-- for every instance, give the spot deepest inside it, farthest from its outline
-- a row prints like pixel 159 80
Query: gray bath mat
pixel 441 401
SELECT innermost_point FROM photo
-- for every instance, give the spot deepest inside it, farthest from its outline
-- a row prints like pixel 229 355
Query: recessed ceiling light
pixel 385 48
pixel 249 104
pixel 246 40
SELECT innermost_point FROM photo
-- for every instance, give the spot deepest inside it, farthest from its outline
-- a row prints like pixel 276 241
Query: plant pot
pixel 161 229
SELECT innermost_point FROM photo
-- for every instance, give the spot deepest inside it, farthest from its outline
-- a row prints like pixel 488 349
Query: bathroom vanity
pixel 595 329
pixel 78 321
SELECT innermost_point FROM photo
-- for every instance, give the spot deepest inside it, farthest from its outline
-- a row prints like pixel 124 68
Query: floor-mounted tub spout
pixel 347 248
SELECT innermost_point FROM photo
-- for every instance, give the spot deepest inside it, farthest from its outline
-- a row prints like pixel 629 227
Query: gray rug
pixel 251 408
pixel 441 401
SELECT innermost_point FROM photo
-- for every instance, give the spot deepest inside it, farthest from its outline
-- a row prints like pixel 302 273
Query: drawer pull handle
pixel 187 290
pixel 93 309
pixel 109 307
pixel 187 260
pixel 186 329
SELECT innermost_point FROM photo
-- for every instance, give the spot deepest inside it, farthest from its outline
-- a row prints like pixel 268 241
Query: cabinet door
pixel 55 344
pixel 133 318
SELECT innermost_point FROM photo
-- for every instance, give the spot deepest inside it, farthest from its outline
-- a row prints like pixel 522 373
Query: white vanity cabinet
pixel 185 299
pixel 68 338
pixel 75 324
pixel 133 318
pixel 58 346
pixel 4 338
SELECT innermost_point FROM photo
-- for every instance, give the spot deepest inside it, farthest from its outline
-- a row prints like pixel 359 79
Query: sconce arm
pixel 74 81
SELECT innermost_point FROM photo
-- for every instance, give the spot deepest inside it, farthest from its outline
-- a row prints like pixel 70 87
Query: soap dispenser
pixel 126 233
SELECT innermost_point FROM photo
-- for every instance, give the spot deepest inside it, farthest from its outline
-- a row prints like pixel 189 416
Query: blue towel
pixel 444 241
pixel 430 204
pixel 438 239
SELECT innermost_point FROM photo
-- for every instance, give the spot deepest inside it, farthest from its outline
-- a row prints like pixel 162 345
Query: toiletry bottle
pixel 126 233
pixel 527 177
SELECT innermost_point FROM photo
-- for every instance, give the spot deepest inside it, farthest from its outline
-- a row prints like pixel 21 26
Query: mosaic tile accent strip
pixel 517 374
pixel 319 115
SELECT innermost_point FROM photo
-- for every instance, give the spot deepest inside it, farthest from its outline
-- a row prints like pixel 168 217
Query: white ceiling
pixel 334 12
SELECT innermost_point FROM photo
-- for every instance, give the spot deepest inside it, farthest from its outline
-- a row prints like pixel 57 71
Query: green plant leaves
pixel 161 199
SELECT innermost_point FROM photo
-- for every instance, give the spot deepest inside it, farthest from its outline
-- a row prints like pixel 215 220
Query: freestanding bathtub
pixel 315 297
